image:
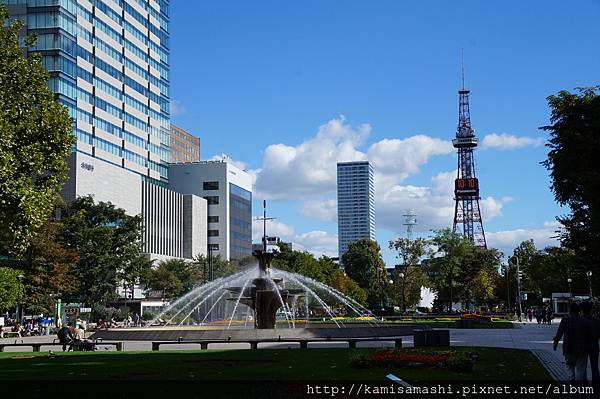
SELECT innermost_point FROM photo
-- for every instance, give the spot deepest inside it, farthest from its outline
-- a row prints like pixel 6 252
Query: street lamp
pixel 570 280
pixel 589 276
pixel 402 305
pixel 19 310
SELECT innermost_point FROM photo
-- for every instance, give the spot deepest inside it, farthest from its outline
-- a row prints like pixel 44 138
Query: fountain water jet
pixel 265 295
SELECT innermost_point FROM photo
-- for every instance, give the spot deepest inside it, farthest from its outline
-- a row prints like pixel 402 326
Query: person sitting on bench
pixel 65 337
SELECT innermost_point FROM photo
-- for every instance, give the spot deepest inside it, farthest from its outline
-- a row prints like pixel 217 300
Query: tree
pixel 406 291
pixel 572 162
pixel 35 141
pixel 477 273
pixel 49 270
pixel 347 286
pixel 529 258
pixel 11 288
pixel 220 267
pixel 175 277
pixel 363 263
pixel 409 251
pixel 108 242
pixel 446 263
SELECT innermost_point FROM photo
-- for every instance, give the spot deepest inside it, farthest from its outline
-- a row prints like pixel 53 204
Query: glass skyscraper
pixel 356 203
pixel 109 64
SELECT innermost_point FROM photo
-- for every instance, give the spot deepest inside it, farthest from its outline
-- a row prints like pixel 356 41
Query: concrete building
pixel 228 192
pixel 356 203
pixel 185 147
pixel 174 224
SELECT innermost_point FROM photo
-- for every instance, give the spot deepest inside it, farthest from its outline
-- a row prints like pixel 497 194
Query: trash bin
pixel 420 338
pixel 433 338
pixel 443 337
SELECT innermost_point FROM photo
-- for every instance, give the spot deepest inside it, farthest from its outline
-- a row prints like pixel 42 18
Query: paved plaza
pixel 530 336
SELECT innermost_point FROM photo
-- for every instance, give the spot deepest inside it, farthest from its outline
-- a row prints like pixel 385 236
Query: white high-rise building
pixel 356 203
pixel 228 192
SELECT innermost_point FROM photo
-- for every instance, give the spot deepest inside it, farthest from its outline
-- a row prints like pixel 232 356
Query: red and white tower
pixel 467 213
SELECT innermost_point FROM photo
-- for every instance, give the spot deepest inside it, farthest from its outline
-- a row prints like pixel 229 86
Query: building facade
pixel 185 147
pixel 356 203
pixel 228 192
pixel 174 224
pixel 109 65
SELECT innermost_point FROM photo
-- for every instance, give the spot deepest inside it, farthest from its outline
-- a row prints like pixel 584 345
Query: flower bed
pixel 415 358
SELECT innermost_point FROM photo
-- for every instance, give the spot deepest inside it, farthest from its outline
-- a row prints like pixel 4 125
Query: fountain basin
pixel 218 333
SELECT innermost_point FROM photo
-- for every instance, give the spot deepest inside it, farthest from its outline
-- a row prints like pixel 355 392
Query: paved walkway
pixel 531 336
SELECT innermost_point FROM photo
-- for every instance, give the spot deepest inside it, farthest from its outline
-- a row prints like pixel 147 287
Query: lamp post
pixel 570 280
pixel 506 270
pixel 402 303
pixel 382 280
pixel 20 277
pixel 589 276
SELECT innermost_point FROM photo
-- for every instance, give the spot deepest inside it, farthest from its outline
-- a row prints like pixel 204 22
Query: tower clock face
pixel 466 186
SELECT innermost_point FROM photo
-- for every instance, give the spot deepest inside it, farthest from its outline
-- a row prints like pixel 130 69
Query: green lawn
pixel 264 364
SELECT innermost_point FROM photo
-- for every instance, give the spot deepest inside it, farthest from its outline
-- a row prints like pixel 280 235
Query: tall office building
pixel 228 192
pixel 185 147
pixel 356 203
pixel 109 65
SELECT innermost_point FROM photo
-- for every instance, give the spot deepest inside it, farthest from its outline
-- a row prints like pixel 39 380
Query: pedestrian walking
pixel 573 350
pixel 549 315
pixel 530 314
pixel 591 329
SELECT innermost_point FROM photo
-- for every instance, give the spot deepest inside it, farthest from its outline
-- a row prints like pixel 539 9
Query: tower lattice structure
pixel 467 212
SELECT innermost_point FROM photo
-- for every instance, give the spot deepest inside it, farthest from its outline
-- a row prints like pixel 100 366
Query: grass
pixel 253 365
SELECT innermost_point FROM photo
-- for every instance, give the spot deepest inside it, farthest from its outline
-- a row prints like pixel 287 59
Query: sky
pixel 286 89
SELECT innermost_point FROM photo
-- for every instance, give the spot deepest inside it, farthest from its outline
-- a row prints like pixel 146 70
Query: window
pixel 212 200
pixel 211 185
pixel 213 219
pixel 213 233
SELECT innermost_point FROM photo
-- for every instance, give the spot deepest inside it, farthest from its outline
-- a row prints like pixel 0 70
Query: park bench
pixel 254 342
pixel 89 345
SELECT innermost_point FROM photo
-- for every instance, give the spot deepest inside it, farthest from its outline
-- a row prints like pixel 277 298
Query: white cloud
pixel 291 172
pixel 507 240
pixel 175 108
pixel 434 204
pixel 324 210
pixel 317 242
pixel 274 228
pixel 509 142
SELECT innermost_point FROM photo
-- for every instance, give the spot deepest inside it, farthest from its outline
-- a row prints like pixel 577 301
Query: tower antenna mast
pixel 467 212
pixel 462 67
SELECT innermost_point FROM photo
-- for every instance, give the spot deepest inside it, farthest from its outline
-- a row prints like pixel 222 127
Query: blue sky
pixel 288 88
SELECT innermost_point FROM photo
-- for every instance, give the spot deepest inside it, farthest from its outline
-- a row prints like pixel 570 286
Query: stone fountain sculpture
pixel 266 294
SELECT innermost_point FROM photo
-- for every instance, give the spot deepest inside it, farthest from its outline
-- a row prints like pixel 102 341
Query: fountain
pixel 265 296
pixel 211 310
